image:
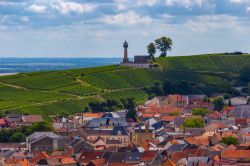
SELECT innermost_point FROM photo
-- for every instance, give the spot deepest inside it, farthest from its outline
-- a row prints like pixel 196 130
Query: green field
pixel 69 91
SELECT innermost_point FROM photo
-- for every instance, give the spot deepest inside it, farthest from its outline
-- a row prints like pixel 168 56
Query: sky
pixel 98 28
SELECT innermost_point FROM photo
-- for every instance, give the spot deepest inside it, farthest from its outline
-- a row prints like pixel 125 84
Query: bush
pixel 229 140
pixel 194 123
pixel 17 137
pixel 199 111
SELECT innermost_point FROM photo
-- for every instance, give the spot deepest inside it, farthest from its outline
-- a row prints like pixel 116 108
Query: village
pixel 168 130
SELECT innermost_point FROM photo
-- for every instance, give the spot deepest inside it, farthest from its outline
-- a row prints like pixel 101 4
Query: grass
pixel 69 91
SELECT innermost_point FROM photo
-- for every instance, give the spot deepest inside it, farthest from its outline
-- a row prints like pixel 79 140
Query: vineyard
pixel 68 91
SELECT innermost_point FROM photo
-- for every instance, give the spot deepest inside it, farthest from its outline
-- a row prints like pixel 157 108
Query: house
pixel 197 141
pixel 88 156
pixel 235 154
pixel 237 101
pixel 83 118
pixel 176 156
pixel 191 161
pixel 141 59
pixel 13 118
pixel 4 123
pixel 242 122
pixel 142 134
pixel 193 98
pixel 194 131
pixel 107 123
pixel 76 145
pixel 175 148
pixel 240 111
pixel 117 137
pixel 178 123
pixel 32 118
pixel 97 162
pixel 213 117
pixel 43 159
pixel 42 141
pixel 64 127
pixel 175 101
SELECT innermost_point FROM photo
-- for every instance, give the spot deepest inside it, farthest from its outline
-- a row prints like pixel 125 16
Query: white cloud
pixel 73 7
pixel 248 9
pixel 127 18
pixel 185 3
pixel 213 22
pixel 125 4
pixel 25 19
pixel 146 2
pixel 239 1
pixel 37 8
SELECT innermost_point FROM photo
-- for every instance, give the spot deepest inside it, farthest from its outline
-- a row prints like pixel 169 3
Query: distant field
pixel 68 91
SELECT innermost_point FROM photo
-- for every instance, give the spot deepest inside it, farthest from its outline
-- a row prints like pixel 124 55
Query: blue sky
pixel 97 28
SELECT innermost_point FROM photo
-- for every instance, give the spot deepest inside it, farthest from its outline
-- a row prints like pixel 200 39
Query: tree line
pixel 19 134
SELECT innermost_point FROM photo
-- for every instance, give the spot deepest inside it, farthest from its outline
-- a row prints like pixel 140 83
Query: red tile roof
pixel 161 110
pixel 148 156
pixel 24 162
pixel 39 156
pixel 32 118
pixel 241 121
pixel 98 162
pixel 168 118
pixel 2 121
pixel 68 160
pixel 235 154
pixel 93 115
pixel 214 114
pixel 186 153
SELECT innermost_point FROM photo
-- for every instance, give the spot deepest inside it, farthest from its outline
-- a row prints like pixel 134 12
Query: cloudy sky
pixel 97 28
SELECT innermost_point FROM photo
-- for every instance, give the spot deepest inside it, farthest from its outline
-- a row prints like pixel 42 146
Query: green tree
pixel 218 103
pixel 226 96
pixel 151 50
pixel 86 109
pixel 164 44
pixel 248 87
pixel 245 73
pixel 131 107
pixel 194 122
pixel 39 126
pixel 174 113
pixel 169 87
pixel 199 111
pixel 17 137
pixel 229 140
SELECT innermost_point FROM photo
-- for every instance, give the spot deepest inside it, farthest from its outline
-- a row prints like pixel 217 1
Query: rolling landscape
pixel 69 91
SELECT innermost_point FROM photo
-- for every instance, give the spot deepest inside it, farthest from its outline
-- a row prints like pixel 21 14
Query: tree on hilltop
pixel 151 50
pixel 164 44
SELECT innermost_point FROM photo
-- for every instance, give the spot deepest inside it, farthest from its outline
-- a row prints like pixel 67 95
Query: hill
pixel 69 91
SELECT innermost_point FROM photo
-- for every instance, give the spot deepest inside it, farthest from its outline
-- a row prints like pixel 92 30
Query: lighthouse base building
pixel 140 61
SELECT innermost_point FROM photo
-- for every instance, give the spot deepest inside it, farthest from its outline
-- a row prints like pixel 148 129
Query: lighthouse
pixel 125 58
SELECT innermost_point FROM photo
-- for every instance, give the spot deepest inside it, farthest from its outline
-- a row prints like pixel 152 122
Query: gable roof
pixel 68 160
pixel 199 140
pixel 39 156
pixel 24 162
pixel 36 135
pixel 214 115
pixel 148 156
pixel 184 154
pixel 97 162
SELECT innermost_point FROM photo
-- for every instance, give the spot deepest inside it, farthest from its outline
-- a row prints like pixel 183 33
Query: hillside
pixel 54 92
